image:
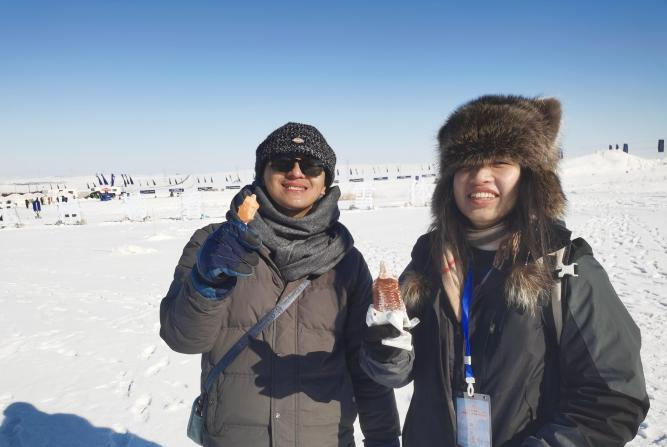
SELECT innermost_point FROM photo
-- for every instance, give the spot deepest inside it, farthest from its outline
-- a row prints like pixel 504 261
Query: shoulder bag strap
pixel 253 332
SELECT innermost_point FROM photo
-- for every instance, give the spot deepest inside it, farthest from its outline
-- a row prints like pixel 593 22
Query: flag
pixel 113 179
pixel 98 179
pixel 104 180
pixel 131 181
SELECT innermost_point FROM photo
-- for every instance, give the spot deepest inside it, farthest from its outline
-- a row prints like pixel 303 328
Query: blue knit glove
pixel 390 443
pixel 228 251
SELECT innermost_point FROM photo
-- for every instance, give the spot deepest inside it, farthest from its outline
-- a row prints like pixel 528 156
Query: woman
pixel 299 383
pixel 491 365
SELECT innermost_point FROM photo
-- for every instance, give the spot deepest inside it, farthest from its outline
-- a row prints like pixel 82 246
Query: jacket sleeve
pixel 189 322
pixel 603 395
pixel 378 415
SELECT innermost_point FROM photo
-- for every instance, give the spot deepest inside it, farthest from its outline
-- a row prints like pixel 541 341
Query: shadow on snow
pixel 26 426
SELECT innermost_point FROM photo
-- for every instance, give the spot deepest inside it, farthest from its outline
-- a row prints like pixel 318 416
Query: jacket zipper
pixel 298 374
pixel 272 404
pixel 441 294
pixel 476 294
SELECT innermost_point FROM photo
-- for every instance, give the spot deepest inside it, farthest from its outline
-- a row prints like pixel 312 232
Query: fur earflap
pixel 526 284
pixel 414 290
pixel 545 190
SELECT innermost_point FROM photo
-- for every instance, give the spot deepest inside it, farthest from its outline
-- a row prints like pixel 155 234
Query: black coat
pixel 588 389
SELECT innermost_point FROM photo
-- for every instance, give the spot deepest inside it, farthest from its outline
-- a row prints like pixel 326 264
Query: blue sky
pixel 194 86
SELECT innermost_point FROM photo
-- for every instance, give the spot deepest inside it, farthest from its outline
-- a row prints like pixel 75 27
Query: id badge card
pixel 473 420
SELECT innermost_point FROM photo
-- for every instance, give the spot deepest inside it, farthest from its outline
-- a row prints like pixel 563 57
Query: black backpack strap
pixel 565 267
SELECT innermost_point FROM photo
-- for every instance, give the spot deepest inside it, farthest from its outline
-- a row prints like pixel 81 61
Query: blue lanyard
pixel 465 319
pixel 465 323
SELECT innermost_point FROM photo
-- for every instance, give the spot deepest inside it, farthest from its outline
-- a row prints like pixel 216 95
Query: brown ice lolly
pixel 386 292
pixel 248 209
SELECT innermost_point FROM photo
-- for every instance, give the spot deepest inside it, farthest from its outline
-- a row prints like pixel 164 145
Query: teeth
pixel 482 195
pixel 295 188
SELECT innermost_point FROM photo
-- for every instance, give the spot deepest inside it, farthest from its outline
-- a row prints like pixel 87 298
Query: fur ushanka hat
pixel 524 130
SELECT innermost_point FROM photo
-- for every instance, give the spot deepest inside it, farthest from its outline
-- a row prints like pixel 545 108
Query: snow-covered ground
pixel 81 362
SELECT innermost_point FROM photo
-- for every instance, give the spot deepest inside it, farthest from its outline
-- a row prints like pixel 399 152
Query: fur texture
pixel 523 129
pixel 526 284
pixel 414 290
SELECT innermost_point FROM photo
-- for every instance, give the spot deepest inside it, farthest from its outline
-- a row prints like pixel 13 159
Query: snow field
pixel 81 361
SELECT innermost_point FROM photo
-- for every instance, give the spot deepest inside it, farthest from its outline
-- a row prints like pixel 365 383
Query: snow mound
pixel 608 162
pixel 159 237
pixel 133 250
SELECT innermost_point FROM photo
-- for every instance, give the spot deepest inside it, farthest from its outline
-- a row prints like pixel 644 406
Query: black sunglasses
pixel 309 166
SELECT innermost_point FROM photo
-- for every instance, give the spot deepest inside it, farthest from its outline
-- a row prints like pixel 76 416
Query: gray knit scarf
pixel 310 245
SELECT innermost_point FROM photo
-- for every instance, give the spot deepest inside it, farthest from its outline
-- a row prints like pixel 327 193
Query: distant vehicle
pixel 104 192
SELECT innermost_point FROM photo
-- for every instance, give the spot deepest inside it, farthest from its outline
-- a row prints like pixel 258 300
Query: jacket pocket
pixel 327 400
pixel 238 401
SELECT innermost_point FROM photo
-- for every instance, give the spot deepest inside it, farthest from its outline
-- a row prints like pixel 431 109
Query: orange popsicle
pixel 248 209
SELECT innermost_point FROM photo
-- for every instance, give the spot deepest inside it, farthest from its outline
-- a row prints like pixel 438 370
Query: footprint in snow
pixel 157 367
pixel 148 352
pixel 141 405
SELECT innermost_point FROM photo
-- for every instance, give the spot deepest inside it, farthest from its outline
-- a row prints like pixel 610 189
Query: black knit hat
pixel 296 138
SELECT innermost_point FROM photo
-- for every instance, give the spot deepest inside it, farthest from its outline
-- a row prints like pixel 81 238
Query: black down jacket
pixel 587 390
